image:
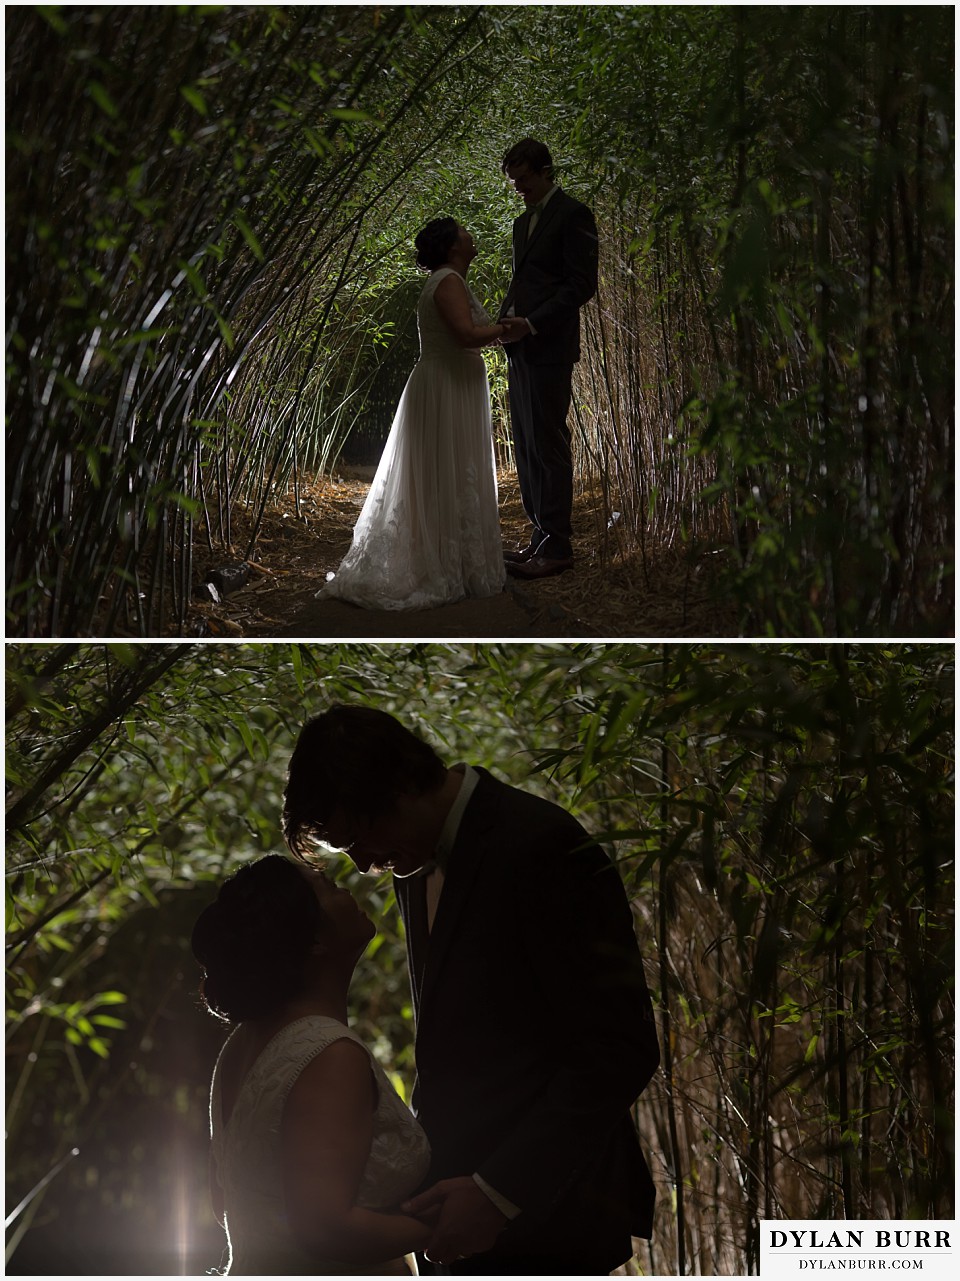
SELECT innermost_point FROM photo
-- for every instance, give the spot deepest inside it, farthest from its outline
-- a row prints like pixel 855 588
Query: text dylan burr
pixel 853 1238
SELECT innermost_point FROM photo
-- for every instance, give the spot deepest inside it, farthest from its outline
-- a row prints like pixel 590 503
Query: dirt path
pixel 510 615
pixel 607 594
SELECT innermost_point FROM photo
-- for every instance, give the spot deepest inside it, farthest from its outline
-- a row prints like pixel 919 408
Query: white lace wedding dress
pixel 247 1155
pixel 429 531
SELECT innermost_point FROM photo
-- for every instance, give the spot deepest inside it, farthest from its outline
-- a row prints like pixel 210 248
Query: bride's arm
pixel 453 305
pixel 216 1191
pixel 326 1136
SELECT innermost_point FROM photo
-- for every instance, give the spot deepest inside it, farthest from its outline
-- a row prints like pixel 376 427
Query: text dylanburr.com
pixel 813 1247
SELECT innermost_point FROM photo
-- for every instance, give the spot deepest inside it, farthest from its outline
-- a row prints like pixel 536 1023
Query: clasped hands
pixel 464 1219
pixel 514 328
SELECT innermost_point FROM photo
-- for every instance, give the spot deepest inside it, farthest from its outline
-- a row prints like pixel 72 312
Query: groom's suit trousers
pixel 539 402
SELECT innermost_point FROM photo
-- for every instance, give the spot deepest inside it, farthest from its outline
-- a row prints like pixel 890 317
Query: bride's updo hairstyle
pixel 434 242
pixel 254 939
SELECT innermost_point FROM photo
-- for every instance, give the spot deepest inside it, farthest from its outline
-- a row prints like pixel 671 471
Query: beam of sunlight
pixel 181 1220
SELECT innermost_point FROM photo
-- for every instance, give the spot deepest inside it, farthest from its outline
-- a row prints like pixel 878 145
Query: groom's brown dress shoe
pixel 539 567
pixel 520 555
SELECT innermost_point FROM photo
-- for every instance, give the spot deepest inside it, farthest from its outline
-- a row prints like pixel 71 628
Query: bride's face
pixel 465 244
pixel 343 913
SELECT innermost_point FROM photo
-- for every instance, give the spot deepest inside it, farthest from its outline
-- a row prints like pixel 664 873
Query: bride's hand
pixel 468 1223
pixel 514 328
pixel 429 1213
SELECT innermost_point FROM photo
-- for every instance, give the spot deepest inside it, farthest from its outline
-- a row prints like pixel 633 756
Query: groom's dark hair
pixel 358 759
pixel 528 151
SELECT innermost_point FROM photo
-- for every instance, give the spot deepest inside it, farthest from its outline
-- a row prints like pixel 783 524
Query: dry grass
pixel 610 593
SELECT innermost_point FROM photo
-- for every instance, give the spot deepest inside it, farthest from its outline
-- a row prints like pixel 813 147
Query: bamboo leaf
pixel 248 235
pixel 98 92
pixel 195 98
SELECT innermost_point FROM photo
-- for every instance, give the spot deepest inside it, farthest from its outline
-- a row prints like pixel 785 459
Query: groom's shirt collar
pixel 553 189
pixel 534 213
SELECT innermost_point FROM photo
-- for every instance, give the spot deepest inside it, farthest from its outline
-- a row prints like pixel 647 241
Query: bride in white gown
pixel 312 1148
pixel 429 531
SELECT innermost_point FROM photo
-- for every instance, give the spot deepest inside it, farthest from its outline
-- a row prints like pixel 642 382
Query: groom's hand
pixel 515 328
pixel 468 1221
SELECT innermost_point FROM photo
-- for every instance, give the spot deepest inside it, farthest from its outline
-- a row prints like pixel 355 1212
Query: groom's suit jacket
pixel 554 274
pixel 535 1032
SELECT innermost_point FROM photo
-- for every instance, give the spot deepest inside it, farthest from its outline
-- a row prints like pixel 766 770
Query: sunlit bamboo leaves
pixel 767 370
pixel 782 817
pixel 774 213
pixel 168 238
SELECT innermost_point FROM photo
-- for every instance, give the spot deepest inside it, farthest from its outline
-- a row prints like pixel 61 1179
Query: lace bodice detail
pixel 247 1148
pixel 436 340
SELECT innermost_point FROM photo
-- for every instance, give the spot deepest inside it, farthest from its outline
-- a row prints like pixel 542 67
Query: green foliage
pixel 162 240
pixel 788 197
pixel 768 367
pixel 782 817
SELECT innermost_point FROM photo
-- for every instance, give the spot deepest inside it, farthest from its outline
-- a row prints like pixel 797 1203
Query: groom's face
pixel 385 843
pixel 532 184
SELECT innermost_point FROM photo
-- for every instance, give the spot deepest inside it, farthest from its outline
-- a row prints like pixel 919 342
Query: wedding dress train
pixel 429 531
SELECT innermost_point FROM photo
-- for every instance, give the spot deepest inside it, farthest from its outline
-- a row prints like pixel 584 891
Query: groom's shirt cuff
pixel 503 1205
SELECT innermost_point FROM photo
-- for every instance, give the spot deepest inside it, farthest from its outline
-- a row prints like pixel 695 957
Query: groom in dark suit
pixel 535 1032
pixel 554 274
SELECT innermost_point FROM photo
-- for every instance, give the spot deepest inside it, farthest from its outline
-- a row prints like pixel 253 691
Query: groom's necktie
pixel 534 216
